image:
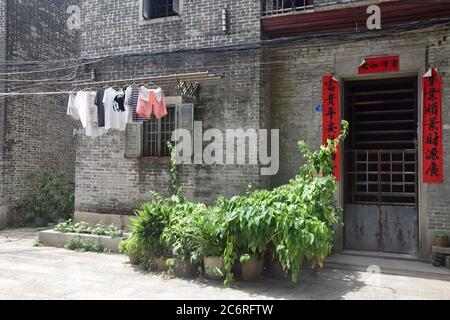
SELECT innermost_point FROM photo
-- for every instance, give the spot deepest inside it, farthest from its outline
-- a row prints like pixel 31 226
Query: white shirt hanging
pixel 88 113
pixel 115 117
pixel 71 107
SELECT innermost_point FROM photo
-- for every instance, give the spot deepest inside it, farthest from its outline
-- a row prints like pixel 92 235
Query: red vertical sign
pixel 432 128
pixel 331 117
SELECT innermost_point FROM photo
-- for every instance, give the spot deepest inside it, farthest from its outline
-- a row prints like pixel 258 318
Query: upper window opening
pixel 154 9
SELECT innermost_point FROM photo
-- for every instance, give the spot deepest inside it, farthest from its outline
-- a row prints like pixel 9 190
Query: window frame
pixel 182 120
pixel 159 133
pixel 144 21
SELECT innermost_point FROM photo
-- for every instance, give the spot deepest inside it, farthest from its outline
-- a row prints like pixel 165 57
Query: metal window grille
pixel 157 133
pixel 386 177
pixel 275 7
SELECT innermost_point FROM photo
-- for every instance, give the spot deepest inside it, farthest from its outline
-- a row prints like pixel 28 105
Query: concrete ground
pixel 28 272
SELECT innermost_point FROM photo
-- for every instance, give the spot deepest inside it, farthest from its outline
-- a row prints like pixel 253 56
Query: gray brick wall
pixel 107 182
pixel 438 200
pixel 2 100
pixel 38 134
pixel 114 27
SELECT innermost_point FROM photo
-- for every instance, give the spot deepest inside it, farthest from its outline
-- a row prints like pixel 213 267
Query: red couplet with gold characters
pixel 432 156
pixel 331 117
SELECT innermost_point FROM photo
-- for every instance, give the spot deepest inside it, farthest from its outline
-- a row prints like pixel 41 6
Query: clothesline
pixel 105 109
pixel 199 76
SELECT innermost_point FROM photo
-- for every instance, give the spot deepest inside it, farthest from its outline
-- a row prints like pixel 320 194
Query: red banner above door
pixel 433 163
pixel 331 117
pixel 380 65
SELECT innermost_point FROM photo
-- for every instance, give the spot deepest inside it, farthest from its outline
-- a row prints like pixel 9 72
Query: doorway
pixel 381 165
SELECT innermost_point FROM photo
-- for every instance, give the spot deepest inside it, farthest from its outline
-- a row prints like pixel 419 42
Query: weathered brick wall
pixel 438 200
pixel 114 27
pixel 2 106
pixel 108 183
pixel 38 134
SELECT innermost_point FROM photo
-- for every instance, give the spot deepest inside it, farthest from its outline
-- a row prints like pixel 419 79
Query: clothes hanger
pixel 151 84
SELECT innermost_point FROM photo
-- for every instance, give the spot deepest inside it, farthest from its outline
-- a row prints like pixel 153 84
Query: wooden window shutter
pixel 134 140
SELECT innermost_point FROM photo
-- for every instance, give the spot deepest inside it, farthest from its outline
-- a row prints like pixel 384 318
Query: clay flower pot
pixel 276 271
pixel 441 242
pixel 252 270
pixel 185 269
pixel 134 259
pixel 161 265
pixel 214 268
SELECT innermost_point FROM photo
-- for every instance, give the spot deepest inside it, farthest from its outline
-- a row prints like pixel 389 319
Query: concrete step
pixel 403 267
pixel 385 255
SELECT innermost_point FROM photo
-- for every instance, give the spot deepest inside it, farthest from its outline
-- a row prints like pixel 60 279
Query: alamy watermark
pixel 229 147
pixel 374 278
pixel 374 21
pixel 74 20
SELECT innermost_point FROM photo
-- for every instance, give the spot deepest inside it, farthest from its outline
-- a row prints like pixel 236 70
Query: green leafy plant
pixel 210 234
pixel 84 228
pixel 441 235
pixel 149 223
pixel 295 221
pixel 78 244
pixel 181 233
pixel 176 184
pixel 65 227
pixel 52 196
pixel 99 230
pixel 130 246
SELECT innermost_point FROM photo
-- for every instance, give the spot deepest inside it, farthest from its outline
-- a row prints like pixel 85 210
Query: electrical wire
pixel 339 39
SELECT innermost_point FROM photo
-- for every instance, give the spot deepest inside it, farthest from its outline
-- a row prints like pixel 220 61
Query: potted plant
pixel 162 265
pixel 211 245
pixel 252 267
pixel 131 247
pixel 184 269
pixel 214 267
pixel 441 239
pixel 275 270
pixel 40 211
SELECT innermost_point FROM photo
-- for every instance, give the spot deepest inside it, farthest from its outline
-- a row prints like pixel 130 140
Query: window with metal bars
pixel 157 133
pixel 154 9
